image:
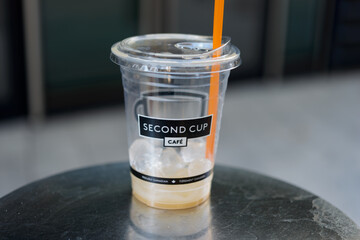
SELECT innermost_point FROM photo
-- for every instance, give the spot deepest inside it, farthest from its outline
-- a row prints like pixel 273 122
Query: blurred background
pixel 291 110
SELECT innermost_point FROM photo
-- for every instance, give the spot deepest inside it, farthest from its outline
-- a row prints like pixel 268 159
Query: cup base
pixel 171 197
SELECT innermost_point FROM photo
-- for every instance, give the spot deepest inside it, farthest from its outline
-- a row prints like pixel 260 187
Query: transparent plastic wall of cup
pixel 166 80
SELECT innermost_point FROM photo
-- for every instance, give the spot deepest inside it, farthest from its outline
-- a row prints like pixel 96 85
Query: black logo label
pixel 170 181
pixel 174 132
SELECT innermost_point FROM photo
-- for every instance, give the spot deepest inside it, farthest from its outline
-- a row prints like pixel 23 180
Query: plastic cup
pixel 166 80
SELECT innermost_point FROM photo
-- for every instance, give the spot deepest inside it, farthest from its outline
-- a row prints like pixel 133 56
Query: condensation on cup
pixel 166 80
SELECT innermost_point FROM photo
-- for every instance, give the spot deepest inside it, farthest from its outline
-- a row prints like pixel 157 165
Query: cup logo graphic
pixel 174 131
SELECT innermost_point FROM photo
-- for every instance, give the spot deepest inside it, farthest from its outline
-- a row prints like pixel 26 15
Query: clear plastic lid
pixel 174 54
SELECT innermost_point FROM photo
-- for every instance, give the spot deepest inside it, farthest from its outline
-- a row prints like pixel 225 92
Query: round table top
pixel 96 203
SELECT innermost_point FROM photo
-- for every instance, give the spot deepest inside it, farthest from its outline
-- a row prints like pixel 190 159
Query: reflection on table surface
pixel 152 223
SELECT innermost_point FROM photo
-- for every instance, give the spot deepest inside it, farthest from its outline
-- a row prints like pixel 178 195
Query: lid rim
pixel 125 56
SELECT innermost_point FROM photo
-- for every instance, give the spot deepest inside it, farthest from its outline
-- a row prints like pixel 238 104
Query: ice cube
pixel 172 163
pixel 194 150
pixel 199 166
pixel 144 156
pixel 155 142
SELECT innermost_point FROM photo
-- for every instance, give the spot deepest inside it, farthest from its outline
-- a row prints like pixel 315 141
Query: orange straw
pixel 214 80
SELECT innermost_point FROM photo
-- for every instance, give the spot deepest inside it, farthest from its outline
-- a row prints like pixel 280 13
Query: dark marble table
pixel 96 203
